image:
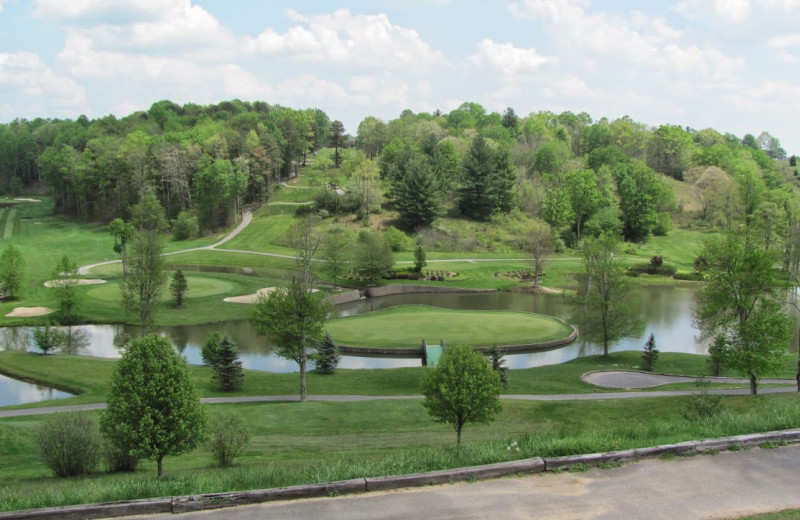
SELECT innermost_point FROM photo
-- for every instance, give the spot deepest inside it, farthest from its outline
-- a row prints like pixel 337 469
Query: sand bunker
pixel 27 312
pixel 20 199
pixel 252 298
pixel 78 281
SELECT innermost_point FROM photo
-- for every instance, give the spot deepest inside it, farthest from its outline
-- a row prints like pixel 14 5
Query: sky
pixel 731 65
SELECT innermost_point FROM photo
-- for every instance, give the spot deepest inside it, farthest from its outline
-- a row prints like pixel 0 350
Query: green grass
pixel 406 326
pixel 294 443
pixel 787 514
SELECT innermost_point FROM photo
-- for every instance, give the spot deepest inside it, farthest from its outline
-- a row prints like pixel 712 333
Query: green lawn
pixel 407 326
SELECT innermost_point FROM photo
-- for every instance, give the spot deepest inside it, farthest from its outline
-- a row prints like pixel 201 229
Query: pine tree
pixel 327 356
pixel 417 195
pixel 650 355
pixel 178 287
pixel 227 366
pixel 499 365
pixel 488 181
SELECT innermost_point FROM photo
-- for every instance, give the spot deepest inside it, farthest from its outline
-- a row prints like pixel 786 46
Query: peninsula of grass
pixel 407 325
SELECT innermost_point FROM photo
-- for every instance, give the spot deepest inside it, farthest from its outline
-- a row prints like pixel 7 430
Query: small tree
pixel 48 339
pixel 650 354
pixel 178 287
pixel 153 409
pixel 499 365
pixel 123 232
pixel 227 366
pixel 65 288
pixel 211 348
pixel 539 242
pixel 419 259
pixel 461 389
pixel 294 320
pixel 327 356
pixel 228 435
pixel 373 257
pixel 12 272
pixel 716 356
pixel 141 290
pixel 70 444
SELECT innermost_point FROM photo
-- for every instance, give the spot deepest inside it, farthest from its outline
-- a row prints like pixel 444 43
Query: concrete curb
pixel 365 485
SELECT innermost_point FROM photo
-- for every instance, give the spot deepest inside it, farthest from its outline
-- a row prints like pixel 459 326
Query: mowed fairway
pixel 407 326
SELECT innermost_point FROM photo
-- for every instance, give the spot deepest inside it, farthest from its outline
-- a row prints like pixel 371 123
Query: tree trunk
pixel 303 361
pixel 124 260
pixel 753 384
pixel 798 370
pixel 458 437
pixel 160 467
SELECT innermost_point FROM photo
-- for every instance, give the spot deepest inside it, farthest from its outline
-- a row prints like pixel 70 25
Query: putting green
pixel 198 287
pixel 407 326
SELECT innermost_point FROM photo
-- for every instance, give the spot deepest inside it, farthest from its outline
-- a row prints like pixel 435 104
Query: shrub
pixel 703 404
pixel 690 276
pixel 396 239
pixel 118 459
pixel 664 225
pixel 228 435
pixel 70 444
pixel 327 356
pixel 656 261
pixel 185 226
pixel 650 268
pixel 499 365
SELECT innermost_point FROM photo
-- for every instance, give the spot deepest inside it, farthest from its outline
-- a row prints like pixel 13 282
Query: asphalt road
pixel 726 485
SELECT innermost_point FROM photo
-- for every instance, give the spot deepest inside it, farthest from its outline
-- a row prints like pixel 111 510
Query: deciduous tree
pixel 153 407
pixel 463 388
pixel 12 272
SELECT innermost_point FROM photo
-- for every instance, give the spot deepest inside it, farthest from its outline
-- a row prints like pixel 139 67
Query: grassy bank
pixel 294 443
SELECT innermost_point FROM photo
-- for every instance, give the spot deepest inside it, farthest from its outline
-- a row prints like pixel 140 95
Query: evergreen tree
pixel 417 195
pixel 650 355
pixel 211 348
pixel 178 287
pixel 499 365
pixel 419 258
pixel 227 366
pixel 337 141
pixel 327 356
pixel 488 181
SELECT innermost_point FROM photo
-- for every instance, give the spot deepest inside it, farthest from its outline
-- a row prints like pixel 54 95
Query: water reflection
pixel 13 392
pixel 666 312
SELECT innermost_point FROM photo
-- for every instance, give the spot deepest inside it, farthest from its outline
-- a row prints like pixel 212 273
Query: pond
pixel 13 391
pixel 666 312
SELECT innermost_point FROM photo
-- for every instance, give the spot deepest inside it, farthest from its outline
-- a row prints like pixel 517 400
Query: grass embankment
pixel 405 326
pixel 295 443
pixel 70 372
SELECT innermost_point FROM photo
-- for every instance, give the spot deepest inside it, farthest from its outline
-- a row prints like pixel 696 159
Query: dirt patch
pixel 28 312
pixel 252 298
pixel 78 281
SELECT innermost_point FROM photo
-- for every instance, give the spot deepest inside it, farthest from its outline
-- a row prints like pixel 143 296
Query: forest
pixel 578 175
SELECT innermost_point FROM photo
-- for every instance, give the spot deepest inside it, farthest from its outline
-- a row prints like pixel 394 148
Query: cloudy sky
pixel 733 65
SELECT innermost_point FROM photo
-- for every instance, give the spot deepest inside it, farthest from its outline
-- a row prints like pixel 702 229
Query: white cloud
pixel 39 84
pixel 510 60
pixel 343 38
pixel 104 11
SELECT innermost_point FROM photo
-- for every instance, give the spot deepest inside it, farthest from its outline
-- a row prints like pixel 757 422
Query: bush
pixel 118 460
pixel 185 226
pixel 70 444
pixel 664 225
pixel 396 239
pixel 690 276
pixel 228 435
pixel 650 268
pixel 703 404
pixel 49 339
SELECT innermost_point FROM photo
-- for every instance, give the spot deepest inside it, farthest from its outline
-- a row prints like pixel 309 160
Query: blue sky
pixel 733 65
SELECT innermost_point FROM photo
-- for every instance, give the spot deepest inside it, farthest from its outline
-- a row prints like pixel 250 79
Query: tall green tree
pixel 741 303
pixel 584 195
pixel 12 272
pixel 372 257
pixel 65 289
pixel 141 290
pixel 463 388
pixel 293 319
pixel 417 195
pixel 153 409
pixel 227 366
pixel 123 232
pixel 608 312
pixel 337 141
pixel 640 191
pixel 488 181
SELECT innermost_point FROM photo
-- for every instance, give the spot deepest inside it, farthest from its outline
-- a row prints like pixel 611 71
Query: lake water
pixel 666 311
pixel 13 391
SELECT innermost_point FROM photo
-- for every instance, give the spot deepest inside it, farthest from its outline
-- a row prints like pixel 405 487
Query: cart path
pixel 726 485
pixel 634 379
pixel 354 398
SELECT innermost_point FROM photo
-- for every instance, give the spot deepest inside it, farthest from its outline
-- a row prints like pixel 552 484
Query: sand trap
pixel 252 298
pixel 27 312
pixel 27 200
pixel 78 281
